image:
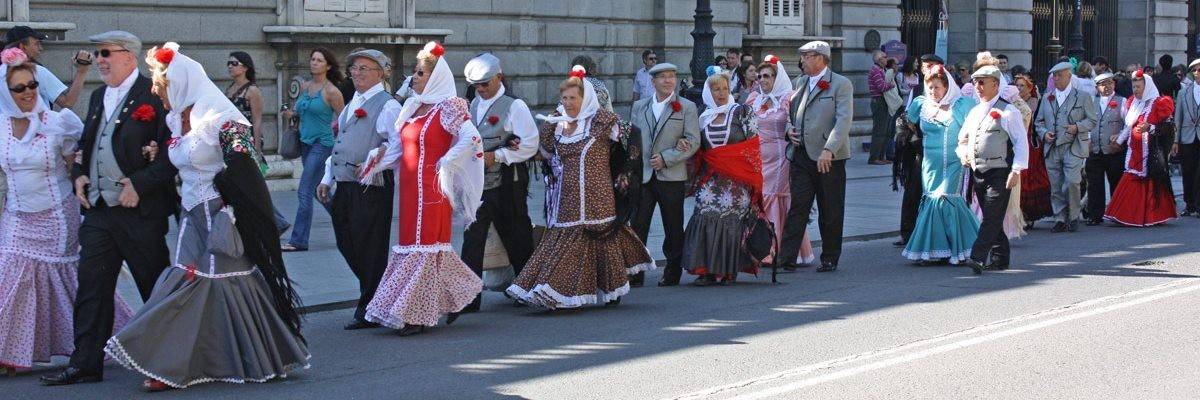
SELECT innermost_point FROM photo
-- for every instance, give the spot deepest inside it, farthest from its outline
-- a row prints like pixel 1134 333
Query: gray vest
pixel 991 141
pixel 493 135
pixel 356 137
pixel 105 173
pixel 1109 123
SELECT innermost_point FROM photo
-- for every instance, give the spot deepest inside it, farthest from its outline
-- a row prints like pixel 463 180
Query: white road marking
pixel 972 337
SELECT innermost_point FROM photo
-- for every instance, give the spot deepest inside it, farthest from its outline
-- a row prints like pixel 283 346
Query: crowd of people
pixel 979 163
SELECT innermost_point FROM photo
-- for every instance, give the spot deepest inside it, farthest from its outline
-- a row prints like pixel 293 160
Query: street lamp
pixel 1075 40
pixel 1055 47
pixel 702 50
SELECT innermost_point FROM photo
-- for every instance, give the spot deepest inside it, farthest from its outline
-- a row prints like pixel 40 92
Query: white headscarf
pixel 586 110
pixel 58 124
pixel 711 109
pixel 189 86
pixel 782 88
pixel 1141 105
pixel 929 107
pixel 438 88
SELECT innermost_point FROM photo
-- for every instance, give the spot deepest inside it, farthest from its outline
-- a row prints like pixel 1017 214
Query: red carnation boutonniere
pixel 1051 98
pixel 144 113
pixel 823 85
pixel 675 106
pixel 763 108
pixel 995 114
pixel 492 120
pixel 1112 104
pixel 360 113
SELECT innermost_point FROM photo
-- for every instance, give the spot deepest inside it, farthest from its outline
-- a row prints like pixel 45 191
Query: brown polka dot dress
pixel 571 268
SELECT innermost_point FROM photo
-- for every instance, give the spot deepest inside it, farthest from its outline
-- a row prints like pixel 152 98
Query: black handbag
pixel 759 241
pixel 289 142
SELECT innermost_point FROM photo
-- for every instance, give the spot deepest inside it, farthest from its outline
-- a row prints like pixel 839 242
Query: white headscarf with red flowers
pixel 1141 105
pixel 587 108
pixel 188 86
pixel 781 90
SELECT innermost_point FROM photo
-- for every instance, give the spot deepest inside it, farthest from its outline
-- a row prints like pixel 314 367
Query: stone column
pixel 1148 29
pixel 999 26
pixel 851 20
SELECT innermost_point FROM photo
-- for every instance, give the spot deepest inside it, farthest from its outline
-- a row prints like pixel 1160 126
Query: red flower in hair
pixel 675 106
pixel 144 113
pixel 436 49
pixel 164 55
pixel 360 113
pixel 1112 104
pixel 823 85
pixel 771 59
pixel 492 119
pixel 995 114
pixel 578 72
pixel 1139 74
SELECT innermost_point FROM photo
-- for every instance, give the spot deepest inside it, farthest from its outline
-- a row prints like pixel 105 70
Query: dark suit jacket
pixel 153 181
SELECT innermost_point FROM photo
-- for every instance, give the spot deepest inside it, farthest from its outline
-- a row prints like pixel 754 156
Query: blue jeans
pixel 313 157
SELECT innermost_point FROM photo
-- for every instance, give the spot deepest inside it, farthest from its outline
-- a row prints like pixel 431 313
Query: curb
pixel 345 304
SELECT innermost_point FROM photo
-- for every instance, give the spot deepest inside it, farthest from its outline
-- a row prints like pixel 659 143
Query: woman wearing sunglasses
pixel 39 241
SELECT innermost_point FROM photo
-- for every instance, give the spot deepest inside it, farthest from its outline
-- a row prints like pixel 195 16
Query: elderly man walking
pixel 1064 120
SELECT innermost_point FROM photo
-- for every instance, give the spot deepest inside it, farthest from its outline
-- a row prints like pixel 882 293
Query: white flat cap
pixel 124 39
pixel 372 54
pixel 1194 64
pixel 482 68
pixel 1103 77
pixel 987 71
pixel 662 67
pixel 816 46
pixel 1061 66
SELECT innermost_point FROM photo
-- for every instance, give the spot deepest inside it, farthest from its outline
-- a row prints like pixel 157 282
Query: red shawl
pixel 741 162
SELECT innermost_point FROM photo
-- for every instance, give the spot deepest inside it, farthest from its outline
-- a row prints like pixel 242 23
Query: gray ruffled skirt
pixel 211 316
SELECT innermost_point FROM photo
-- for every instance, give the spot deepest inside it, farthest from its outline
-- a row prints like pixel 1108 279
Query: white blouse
pixel 34 168
pixel 199 157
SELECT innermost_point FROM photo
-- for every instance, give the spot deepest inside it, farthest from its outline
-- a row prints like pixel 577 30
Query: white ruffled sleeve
pixel 66 128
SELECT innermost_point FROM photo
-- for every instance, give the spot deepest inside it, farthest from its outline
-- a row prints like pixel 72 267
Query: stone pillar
pixel 999 26
pixel 852 20
pixel 1148 29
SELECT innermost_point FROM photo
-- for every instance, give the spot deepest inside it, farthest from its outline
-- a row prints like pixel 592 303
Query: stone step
pixel 282 184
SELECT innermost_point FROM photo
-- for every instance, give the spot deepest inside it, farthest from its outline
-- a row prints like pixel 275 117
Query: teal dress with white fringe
pixel 946 228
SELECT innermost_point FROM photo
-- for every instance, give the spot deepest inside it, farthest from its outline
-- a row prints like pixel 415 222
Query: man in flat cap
pixel 664 120
pixel 126 196
pixel 1187 147
pixel 510 137
pixel 1106 158
pixel 822 112
pixel 362 214
pixel 992 144
pixel 52 89
pixel 1064 119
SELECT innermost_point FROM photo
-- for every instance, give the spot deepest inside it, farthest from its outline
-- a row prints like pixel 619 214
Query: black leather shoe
pixel 409 330
pixel 638 279
pixel 976 267
pixel 1094 222
pixel 705 280
pixel 827 266
pixel 668 282
pixel 613 303
pixel 1072 226
pixel 71 376
pixel 900 243
pixel 357 324
pixel 1059 227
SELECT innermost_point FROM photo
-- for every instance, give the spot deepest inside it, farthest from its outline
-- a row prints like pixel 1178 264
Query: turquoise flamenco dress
pixel 946 228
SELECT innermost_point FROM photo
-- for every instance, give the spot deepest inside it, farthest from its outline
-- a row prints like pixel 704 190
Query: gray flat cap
pixel 1061 66
pixel 481 68
pixel 987 71
pixel 372 54
pixel 663 67
pixel 1103 77
pixel 816 46
pixel 124 39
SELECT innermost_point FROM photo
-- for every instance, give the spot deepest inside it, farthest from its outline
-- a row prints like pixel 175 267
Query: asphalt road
pixel 1103 313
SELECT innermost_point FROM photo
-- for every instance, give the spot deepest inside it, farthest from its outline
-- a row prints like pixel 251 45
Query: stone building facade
pixel 535 39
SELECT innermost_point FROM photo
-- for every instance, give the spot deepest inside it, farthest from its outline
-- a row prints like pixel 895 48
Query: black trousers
pixel 669 198
pixel 910 203
pixel 828 190
pixel 362 225
pixel 882 126
pixel 109 237
pixel 1101 168
pixel 992 192
pixel 1189 163
pixel 506 208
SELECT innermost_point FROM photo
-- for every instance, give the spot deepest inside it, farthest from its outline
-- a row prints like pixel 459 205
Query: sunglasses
pixel 105 53
pixel 233 64
pixel 24 86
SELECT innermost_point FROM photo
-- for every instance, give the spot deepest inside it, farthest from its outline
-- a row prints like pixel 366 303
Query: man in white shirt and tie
pixel 993 146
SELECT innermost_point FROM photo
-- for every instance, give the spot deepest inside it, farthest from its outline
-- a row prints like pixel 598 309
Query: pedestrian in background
pixel 320 100
pixel 50 88
pixel 878 84
pixel 643 87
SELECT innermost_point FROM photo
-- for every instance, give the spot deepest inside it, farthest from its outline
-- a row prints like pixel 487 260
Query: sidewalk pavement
pixel 324 281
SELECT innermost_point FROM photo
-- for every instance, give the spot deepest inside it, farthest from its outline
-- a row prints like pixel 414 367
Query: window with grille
pixel 783 18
